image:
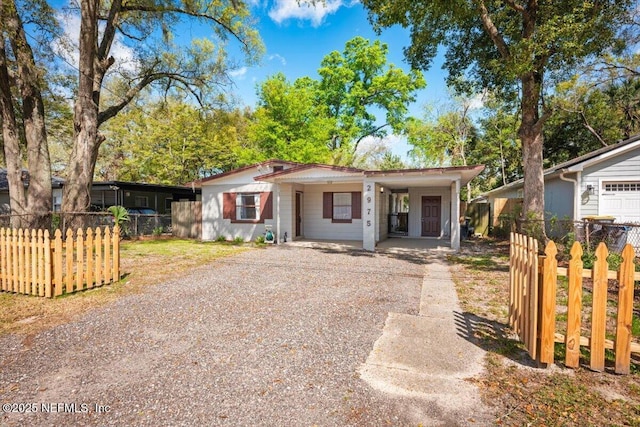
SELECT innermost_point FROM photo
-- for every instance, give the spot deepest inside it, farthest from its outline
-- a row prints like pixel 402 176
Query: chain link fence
pixel 588 232
pixel 138 224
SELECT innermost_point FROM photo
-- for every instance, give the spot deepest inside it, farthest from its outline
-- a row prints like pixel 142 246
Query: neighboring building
pixel 140 195
pixel 323 202
pixel 56 185
pixel 109 193
pixel 605 182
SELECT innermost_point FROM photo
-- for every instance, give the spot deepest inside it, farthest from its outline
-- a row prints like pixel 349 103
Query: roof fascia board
pixel 579 167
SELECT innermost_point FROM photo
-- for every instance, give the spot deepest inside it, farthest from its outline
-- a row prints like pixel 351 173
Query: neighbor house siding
pixel 619 168
pixel 415 209
pixel 318 227
pixel 558 199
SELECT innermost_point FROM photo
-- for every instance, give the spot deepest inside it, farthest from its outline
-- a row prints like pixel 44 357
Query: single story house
pixel 140 195
pixel 5 207
pixel 109 193
pixel 320 202
pixel 604 182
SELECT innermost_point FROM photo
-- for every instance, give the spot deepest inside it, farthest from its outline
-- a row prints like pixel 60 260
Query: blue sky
pixel 297 38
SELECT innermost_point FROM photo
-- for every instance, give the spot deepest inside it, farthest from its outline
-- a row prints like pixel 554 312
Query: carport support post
pixel 455 215
pixel 369 215
pixel 277 232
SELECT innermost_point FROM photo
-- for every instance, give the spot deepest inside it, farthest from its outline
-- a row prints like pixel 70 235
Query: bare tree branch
pixel 162 10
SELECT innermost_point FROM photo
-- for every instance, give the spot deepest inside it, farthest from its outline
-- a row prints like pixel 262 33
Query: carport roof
pixel 392 178
pixel 318 172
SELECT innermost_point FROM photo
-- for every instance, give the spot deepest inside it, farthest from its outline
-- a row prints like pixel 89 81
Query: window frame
pixel 328 211
pixel 242 206
pixel 230 206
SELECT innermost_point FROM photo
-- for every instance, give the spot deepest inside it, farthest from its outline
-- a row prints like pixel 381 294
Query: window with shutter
pixel 248 207
pixel 342 207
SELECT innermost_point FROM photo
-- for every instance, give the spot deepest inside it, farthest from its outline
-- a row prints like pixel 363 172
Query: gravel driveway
pixel 267 337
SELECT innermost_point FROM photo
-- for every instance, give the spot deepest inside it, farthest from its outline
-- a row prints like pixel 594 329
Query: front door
pixel 431 206
pixel 298 214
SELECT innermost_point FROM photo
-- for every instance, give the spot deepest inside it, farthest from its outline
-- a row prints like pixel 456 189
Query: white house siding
pixel 287 206
pixel 316 227
pixel 624 167
pixel 214 226
pixel 415 209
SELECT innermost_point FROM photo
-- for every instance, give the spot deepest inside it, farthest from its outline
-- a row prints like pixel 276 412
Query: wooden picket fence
pixel 533 303
pixel 33 263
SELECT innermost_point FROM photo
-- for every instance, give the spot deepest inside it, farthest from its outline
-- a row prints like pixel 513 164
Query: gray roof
pixel 56 182
pixel 569 163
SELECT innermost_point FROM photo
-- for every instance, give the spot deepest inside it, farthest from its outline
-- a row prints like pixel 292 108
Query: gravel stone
pixel 266 337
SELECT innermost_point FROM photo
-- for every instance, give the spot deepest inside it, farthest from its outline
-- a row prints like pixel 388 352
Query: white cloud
pixel 477 102
pixel 240 73
pixel 275 56
pixel 290 9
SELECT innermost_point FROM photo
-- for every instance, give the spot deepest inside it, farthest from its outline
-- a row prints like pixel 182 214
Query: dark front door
pixel 431 206
pixel 298 214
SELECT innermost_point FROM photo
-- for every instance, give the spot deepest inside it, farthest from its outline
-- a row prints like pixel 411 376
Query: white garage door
pixel 621 200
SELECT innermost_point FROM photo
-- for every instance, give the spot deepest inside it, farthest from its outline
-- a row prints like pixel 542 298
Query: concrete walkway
pixel 427 356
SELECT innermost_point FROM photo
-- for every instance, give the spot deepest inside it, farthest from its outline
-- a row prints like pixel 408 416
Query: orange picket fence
pixel 540 322
pixel 33 263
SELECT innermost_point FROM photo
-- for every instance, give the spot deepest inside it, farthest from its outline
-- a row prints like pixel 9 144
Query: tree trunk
pixel 530 133
pixel 77 191
pixel 11 143
pixel 33 209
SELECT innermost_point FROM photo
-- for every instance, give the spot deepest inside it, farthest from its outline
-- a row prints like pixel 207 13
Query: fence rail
pixel 33 263
pixel 533 306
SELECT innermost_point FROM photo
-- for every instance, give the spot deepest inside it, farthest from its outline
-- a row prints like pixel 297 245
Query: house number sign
pixel 368 205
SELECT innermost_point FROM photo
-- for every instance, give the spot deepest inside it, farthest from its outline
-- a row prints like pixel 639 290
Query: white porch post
pixel 369 215
pixel 276 233
pixel 455 215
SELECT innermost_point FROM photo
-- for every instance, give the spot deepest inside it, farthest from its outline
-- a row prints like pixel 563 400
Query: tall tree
pixel 326 120
pixel 590 116
pixel 445 139
pixel 497 146
pixel 170 142
pixel 509 45
pixel 23 117
pixel 354 83
pixel 148 28
pixel 288 123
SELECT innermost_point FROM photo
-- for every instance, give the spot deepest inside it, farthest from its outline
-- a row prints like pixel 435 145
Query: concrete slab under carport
pixel 397 245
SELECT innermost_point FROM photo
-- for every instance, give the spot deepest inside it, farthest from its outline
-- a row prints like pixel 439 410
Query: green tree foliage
pixel 170 143
pixel 498 147
pixel 288 123
pixel 444 140
pixel 590 116
pixel 326 120
pixel 355 82
pixel 509 47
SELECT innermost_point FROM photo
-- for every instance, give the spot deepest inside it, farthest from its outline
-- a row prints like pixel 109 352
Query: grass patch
pixel 519 394
pixel 143 263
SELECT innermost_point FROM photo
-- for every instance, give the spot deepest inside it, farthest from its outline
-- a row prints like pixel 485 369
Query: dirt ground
pixel 523 393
